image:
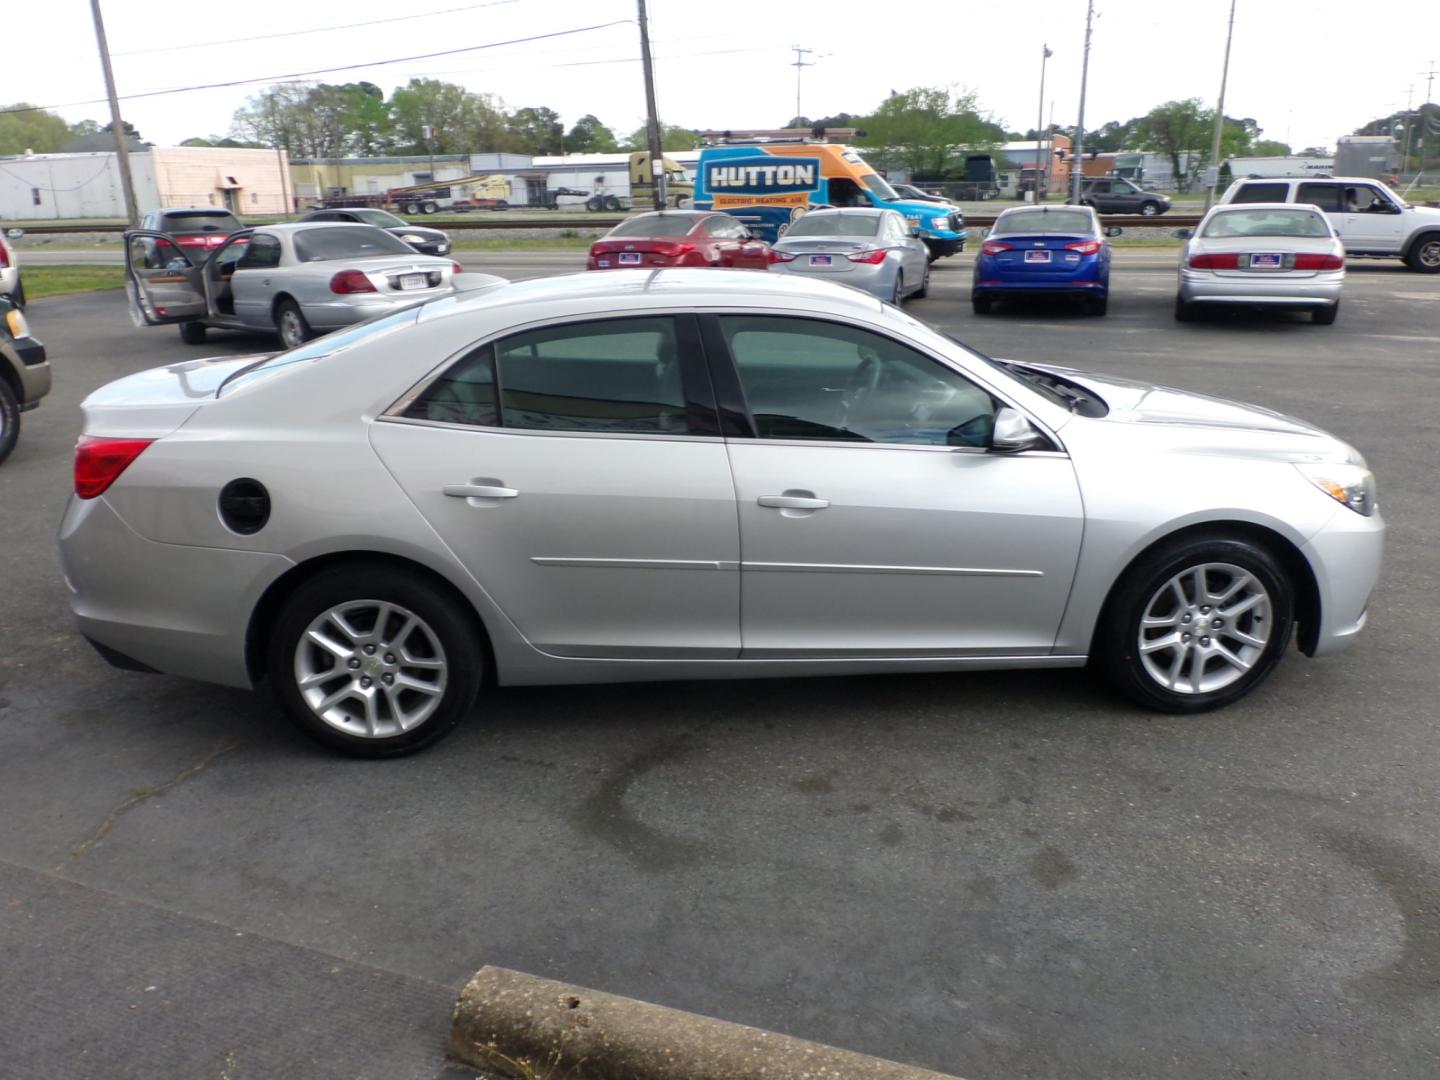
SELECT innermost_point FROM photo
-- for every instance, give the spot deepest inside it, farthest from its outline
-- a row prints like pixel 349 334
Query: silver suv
pixel 1373 221
pixel 24 373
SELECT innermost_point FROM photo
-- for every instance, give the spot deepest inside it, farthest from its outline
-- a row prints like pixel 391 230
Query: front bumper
pixel 1205 287
pixel 32 368
pixel 1345 557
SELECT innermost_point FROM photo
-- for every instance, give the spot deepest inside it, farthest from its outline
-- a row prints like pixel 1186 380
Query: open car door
pixel 163 284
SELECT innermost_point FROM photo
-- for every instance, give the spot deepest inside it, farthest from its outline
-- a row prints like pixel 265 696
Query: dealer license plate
pixel 1037 256
pixel 414 281
pixel 630 258
pixel 821 260
pixel 1267 261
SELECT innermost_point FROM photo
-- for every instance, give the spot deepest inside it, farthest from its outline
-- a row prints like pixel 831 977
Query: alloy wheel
pixel 1204 628
pixel 370 669
pixel 292 334
pixel 1429 254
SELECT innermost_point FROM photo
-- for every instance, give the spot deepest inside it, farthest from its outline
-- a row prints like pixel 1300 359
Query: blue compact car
pixel 1059 251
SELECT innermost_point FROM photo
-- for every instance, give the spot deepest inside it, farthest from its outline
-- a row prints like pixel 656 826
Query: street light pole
pixel 652 119
pixel 1045 55
pixel 1077 161
pixel 1220 113
pixel 117 126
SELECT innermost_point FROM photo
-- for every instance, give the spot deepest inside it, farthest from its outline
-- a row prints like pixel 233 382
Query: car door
pixel 914 256
pixel 1124 197
pixel 873 520
pixel 164 286
pixel 578 472
pixel 253 282
pixel 1330 198
pixel 1372 221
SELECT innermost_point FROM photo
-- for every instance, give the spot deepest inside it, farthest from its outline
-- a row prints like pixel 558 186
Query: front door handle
pixel 793 502
pixel 479 491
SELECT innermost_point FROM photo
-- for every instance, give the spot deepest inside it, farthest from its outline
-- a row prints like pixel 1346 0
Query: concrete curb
pixel 508 1022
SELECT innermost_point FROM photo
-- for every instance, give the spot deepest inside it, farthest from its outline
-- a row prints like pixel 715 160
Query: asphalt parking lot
pixel 995 875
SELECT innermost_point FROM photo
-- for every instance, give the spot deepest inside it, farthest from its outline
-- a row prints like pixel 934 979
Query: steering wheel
pixel 864 381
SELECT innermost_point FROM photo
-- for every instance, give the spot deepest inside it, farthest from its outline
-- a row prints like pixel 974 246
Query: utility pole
pixel 122 149
pixel 1409 101
pixel 652 119
pixel 800 65
pixel 1425 119
pixel 1039 172
pixel 280 158
pixel 1077 166
pixel 1219 113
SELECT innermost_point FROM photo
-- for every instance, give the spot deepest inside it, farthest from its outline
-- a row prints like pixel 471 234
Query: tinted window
pixel 1262 193
pixel 347 242
pixel 655 225
pixel 1326 196
pixel 262 253
pixel 836 225
pixel 619 375
pixel 464 394
pixel 1044 222
pixel 200 222
pixel 379 218
pixel 1266 223
pixel 806 379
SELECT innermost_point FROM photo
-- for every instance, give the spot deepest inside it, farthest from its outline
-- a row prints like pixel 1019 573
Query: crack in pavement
pixel 136 799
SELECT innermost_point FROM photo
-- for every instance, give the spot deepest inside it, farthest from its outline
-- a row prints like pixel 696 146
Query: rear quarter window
pixel 1262 193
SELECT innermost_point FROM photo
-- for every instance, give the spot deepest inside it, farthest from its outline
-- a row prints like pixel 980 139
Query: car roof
pixel 295 226
pixel 1230 208
pixel 1016 211
pixel 218 211
pixel 851 211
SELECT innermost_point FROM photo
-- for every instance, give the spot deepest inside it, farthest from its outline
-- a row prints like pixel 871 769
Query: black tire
pixel 291 325
pixel 1325 316
pixel 982 304
pixel 898 295
pixel 1183 312
pixel 1097 306
pixel 1149 209
pixel 192 333
pixel 19 294
pixel 612 204
pixel 1423 255
pixel 442 622
pixel 9 420
pixel 1117 640
pixel 412 208
pixel 924 290
pixel 594 204
pixel 500 204
pixel 429 208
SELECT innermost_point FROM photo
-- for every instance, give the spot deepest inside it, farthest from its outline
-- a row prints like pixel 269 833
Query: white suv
pixel 1372 220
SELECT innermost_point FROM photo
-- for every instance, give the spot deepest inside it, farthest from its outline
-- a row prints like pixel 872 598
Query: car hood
pixel 1202 422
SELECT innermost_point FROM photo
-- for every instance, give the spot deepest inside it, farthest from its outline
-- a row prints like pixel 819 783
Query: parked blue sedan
pixel 1059 251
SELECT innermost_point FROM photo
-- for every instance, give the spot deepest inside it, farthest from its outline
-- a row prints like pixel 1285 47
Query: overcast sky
pixel 1308 72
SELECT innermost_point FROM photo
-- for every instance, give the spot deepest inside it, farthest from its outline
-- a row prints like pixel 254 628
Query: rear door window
pixel 1328 197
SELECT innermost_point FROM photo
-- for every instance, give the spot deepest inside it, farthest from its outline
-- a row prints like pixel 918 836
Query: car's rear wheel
pixel 924 290
pixel 9 420
pixel 1183 312
pixel 290 324
pixel 612 203
pixel 1325 316
pixel 1424 254
pixel 1098 305
pixel 192 333
pixel 1196 624
pixel 19 294
pixel 374 661
pixel 1149 209
pixel 898 293
pixel 412 208
pixel 982 304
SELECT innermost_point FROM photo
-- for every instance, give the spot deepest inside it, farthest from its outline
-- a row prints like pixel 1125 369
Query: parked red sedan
pixel 679 238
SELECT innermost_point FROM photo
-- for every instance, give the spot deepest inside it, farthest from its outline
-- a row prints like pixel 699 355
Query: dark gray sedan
pixel 424 240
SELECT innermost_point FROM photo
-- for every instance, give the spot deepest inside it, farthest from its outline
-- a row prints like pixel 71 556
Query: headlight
pixel 413 239
pixel 1349 485
pixel 939 224
pixel 16 322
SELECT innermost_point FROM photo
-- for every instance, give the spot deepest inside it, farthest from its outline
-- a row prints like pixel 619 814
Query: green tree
pixel 923 129
pixel 672 137
pixel 590 136
pixel 1112 136
pixel 449 110
pixel 1183 131
pixel 1270 148
pixel 537 130
pixel 25 127
pixel 83 128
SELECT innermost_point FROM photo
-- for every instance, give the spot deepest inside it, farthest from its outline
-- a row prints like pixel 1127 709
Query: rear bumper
pixel 1015 289
pixel 1320 290
pixel 362 306
pixel 878 281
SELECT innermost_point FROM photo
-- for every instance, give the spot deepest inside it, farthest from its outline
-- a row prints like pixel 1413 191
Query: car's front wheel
pixel 192 333
pixel 291 325
pixel 1149 209
pixel 1196 623
pixel 9 420
pixel 374 661
pixel 1424 254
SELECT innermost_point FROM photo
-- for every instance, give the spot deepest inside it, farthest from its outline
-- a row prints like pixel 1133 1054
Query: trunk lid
pixel 152 404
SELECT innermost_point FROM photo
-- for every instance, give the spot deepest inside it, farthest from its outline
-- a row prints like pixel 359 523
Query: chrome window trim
pixel 415 421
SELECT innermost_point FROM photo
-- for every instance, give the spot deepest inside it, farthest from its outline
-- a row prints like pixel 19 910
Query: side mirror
pixel 1184 234
pixel 1113 230
pixel 15 234
pixel 1014 434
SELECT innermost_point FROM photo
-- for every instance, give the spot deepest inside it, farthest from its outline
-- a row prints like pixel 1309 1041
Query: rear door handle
pixel 793 502
pixel 479 491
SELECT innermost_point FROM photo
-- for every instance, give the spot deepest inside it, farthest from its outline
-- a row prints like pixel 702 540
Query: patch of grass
pixel 42 281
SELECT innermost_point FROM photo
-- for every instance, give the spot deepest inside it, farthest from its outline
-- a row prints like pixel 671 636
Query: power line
pixel 323 71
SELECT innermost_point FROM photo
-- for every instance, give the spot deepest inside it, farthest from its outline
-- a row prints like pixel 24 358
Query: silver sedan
pixel 294 280
pixel 679 474
pixel 1276 255
pixel 876 251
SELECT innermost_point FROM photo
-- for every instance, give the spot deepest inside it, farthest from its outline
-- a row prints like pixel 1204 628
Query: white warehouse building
pixel 36 187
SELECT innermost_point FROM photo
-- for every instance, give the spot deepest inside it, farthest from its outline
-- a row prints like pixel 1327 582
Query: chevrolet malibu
pixel 692 474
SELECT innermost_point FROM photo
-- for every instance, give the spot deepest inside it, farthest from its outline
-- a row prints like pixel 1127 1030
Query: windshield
pixel 655 225
pixel 379 218
pixel 880 186
pixel 835 225
pixel 320 347
pixel 221 222
pixel 1044 222
pixel 324 243
pixel 1266 223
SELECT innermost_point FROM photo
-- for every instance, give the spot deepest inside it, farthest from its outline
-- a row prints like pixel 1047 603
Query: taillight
pixel 994 247
pixel 1214 262
pixel 1319 262
pixel 674 251
pixel 98 462
pixel 456 268
pixel 4 257
pixel 874 258
pixel 1085 247
pixel 351 281
pixel 779 256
